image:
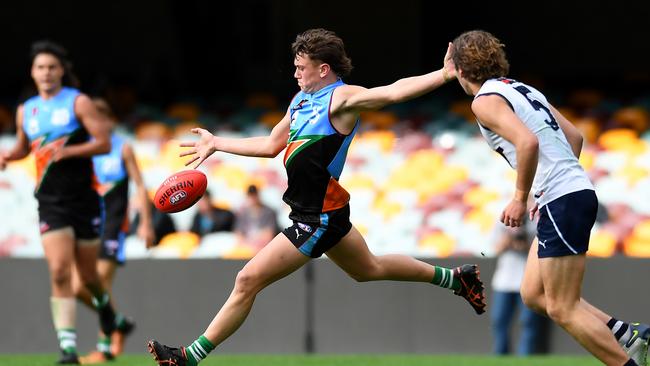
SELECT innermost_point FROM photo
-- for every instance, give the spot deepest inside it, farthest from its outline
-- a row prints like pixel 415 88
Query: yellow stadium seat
pixel 483 219
pixel 235 177
pixel 152 130
pixel 384 139
pixel 184 242
pixel 463 108
pixel 636 247
pixel 479 197
pixel 587 159
pixel 442 243
pixel 239 252
pixel 589 127
pixel 618 139
pixel 602 244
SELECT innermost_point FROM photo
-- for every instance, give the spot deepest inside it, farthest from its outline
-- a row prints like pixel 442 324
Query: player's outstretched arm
pixel 21 148
pixel 261 146
pixel 359 99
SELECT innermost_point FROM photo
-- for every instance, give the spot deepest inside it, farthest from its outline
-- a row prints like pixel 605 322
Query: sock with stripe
pixel 621 330
pixel 104 344
pixel 444 277
pixel 198 350
pixel 63 316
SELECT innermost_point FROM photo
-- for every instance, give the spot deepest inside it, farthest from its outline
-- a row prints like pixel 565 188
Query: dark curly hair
pixel 56 50
pixel 480 55
pixel 325 46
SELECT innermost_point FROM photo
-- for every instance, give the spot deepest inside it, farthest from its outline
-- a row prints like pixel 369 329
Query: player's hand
pixel 448 64
pixel 513 214
pixel 145 232
pixel 4 158
pixel 199 150
pixel 533 212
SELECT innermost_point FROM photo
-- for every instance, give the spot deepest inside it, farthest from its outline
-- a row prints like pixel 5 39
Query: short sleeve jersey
pixel 558 171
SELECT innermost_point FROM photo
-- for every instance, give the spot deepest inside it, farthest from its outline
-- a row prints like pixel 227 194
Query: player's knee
pixel 246 283
pixel 561 315
pixel 367 273
pixel 532 299
pixel 61 276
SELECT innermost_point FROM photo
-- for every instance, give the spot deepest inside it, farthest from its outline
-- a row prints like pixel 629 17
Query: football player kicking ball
pixel 320 123
pixel 543 146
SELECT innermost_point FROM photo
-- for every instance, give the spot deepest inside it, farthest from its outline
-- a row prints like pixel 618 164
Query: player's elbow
pixel 530 144
pixel 103 146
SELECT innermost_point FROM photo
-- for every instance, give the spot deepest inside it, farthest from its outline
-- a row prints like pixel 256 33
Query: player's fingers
pixel 197 130
pixel 503 217
pixel 191 161
pixel 187 144
pixel 188 152
pixel 199 163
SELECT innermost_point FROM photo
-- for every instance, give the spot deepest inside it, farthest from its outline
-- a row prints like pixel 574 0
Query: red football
pixel 180 191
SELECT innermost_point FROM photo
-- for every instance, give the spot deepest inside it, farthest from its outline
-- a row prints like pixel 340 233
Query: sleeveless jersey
pixel 113 178
pixel 315 155
pixel 558 171
pixel 51 124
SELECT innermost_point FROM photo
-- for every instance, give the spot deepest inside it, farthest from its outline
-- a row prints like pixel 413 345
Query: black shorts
pixel 564 225
pixel 315 238
pixel 113 236
pixel 84 215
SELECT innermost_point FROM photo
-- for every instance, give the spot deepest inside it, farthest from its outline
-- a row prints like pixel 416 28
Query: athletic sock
pixel 100 300
pixel 444 277
pixel 67 340
pixel 120 320
pixel 621 330
pixel 63 316
pixel 104 344
pixel 198 350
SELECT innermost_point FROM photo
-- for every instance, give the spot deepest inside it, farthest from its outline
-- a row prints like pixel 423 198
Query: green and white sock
pixel 198 350
pixel 444 277
pixel 67 340
pixel 100 301
pixel 104 344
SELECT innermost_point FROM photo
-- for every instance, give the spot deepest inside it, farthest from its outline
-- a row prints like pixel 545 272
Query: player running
pixel 316 132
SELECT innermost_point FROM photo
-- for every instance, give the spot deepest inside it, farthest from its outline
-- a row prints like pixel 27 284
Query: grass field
pixel 322 360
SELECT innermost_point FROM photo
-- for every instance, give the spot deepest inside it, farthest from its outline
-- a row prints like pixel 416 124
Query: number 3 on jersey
pixel 538 106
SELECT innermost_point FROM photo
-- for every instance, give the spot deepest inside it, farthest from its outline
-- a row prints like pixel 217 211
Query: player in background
pixel 114 171
pixel 316 131
pixel 63 129
pixel 543 147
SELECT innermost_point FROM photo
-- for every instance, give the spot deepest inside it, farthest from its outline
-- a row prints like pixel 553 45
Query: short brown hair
pixel 480 55
pixel 325 46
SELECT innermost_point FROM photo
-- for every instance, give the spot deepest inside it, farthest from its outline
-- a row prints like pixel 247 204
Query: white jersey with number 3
pixel 558 171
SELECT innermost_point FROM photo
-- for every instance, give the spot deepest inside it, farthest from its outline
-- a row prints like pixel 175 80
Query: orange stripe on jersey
pixel 43 155
pixel 336 196
pixel 291 147
pixel 102 189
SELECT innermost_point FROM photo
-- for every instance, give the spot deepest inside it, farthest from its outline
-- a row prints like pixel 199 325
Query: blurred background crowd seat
pixel 422 181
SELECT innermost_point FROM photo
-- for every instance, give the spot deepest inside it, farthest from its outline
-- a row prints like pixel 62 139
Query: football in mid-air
pixel 180 191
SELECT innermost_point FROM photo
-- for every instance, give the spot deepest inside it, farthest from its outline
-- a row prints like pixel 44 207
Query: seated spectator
pixel 255 224
pixel 210 218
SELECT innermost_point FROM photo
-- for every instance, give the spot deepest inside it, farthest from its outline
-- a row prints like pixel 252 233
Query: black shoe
pixel 68 358
pixel 167 356
pixel 126 327
pixel 106 318
pixel 471 287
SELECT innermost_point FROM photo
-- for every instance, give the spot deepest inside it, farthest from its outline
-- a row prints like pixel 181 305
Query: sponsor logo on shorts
pixel 304 227
pixel 177 197
pixel 542 243
pixel 43 227
pixel 297 234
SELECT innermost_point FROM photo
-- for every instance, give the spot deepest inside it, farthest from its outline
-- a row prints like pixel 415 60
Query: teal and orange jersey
pixel 315 154
pixel 51 124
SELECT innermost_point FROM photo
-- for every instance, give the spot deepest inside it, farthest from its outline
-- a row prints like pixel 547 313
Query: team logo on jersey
pixel 32 126
pixel 60 117
pixel 304 227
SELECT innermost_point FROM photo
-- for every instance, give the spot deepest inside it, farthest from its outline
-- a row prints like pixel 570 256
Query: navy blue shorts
pixel 315 238
pixel 565 224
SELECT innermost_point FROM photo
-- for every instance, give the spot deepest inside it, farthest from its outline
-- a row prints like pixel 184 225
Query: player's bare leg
pixel 562 277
